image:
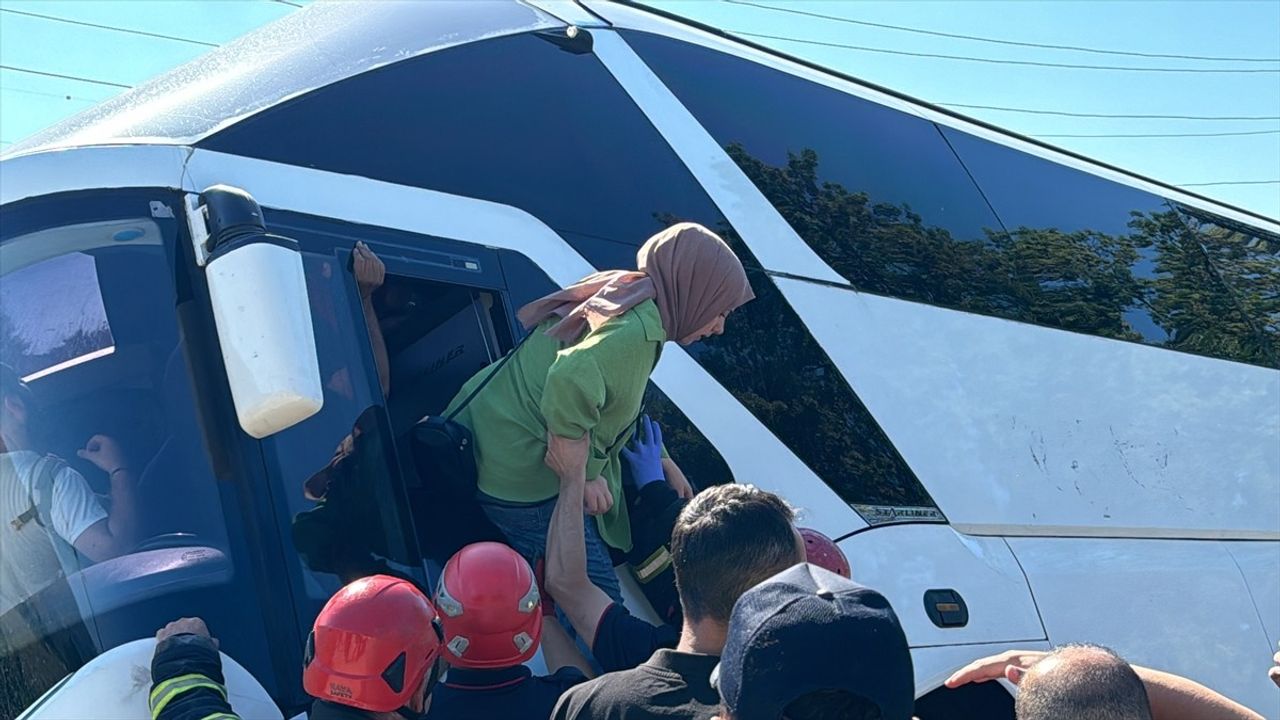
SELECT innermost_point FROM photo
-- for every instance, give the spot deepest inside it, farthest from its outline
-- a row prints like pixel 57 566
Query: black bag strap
pixel 498 366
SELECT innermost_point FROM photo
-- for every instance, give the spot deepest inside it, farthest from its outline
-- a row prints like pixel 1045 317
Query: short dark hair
pixel 728 539
pixel 832 705
pixel 1085 682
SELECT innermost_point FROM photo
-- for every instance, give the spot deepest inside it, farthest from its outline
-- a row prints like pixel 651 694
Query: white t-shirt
pixel 28 558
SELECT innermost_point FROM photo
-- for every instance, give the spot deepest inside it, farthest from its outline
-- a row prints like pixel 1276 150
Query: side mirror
pixel 260 308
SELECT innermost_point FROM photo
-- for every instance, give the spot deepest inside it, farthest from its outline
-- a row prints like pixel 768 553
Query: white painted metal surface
pixel 934 665
pixel 1017 429
pixel 117 684
pixel 623 17
pixel 771 239
pixel 1175 605
pixel 903 561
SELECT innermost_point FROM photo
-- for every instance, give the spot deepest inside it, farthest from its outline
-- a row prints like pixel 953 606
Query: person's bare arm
pixel 1175 697
pixel 370 273
pixel 566 567
pixel 1172 697
pixel 117 534
pixel 558 650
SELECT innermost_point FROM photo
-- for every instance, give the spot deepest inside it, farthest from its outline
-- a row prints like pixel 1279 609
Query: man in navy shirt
pixel 492 616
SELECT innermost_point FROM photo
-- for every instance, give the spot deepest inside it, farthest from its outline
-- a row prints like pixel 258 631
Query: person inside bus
pixel 618 640
pixel 48 511
pixel 581 374
pixel 492 615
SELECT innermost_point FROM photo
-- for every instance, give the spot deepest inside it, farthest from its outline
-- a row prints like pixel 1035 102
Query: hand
pixel 185 626
pixel 369 270
pixel 1011 665
pixel 103 451
pixel 643 454
pixel 676 479
pixel 596 498
pixel 567 457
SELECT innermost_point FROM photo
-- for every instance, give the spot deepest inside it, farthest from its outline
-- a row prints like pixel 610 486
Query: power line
pixel 108 27
pixel 286 2
pixel 25 91
pixel 42 73
pixel 994 61
pixel 998 41
pixel 1231 182
pixel 1160 135
pixel 1064 113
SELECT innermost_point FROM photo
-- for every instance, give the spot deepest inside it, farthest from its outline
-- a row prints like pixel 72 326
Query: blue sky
pixel 29 102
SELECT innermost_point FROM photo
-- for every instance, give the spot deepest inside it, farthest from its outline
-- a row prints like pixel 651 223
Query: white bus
pixel 1035 398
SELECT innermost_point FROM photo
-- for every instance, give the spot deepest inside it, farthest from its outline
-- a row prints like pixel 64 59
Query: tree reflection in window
pixel 1153 284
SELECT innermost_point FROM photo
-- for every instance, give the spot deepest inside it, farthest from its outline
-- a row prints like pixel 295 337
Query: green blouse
pixel 595 386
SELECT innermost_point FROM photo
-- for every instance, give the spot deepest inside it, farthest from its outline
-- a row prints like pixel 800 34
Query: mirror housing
pixel 260 309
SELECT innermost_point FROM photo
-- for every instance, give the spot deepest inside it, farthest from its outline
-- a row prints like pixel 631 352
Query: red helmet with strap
pixel 489 607
pixel 821 551
pixel 372 645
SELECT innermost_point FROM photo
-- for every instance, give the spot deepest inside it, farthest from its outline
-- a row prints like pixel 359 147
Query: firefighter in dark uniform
pixel 374 652
pixel 492 615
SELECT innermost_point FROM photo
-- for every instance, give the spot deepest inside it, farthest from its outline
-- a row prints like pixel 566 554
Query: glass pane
pixel 336 470
pixel 881 196
pixel 108 502
pixel 561 163
pixel 1248 261
pixel 1094 256
pixel 699 460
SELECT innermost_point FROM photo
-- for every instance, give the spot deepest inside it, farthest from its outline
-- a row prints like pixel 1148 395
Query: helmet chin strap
pixel 437 669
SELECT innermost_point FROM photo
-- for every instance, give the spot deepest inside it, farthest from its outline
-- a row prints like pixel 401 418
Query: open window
pixel 345 489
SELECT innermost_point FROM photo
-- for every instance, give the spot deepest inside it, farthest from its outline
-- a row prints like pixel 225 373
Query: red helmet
pixel 372 645
pixel 489 607
pixel 821 551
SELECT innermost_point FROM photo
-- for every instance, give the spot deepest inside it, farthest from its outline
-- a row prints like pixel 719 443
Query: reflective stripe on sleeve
pixel 653 565
pixel 166 691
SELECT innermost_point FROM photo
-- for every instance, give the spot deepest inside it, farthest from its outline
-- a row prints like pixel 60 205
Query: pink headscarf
pixel 686 269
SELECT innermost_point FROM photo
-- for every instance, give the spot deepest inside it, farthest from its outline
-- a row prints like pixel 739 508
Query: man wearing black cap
pixel 807 644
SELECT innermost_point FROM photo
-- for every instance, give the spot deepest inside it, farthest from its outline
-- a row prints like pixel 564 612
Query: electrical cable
pixel 58 96
pixel 1066 113
pixel 994 61
pixel 144 33
pixel 1157 135
pixel 1231 182
pixel 43 73
pixel 998 41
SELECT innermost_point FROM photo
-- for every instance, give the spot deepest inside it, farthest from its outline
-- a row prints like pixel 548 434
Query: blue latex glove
pixel 643 454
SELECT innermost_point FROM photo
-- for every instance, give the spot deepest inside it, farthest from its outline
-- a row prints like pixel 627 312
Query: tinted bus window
pixel 1116 260
pixel 583 159
pixel 1248 261
pixel 882 197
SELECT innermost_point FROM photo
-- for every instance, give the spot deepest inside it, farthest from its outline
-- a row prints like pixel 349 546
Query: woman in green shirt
pixel 581 377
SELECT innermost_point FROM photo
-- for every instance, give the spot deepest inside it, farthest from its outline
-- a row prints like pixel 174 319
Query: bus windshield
pixel 109 508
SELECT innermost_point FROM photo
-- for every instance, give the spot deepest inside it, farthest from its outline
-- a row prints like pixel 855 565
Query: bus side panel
pixel 1175 605
pixel 1017 429
pixel 1259 563
pixel 906 561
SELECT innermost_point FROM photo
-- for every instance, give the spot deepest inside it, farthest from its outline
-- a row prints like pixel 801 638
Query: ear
pixel 1014 674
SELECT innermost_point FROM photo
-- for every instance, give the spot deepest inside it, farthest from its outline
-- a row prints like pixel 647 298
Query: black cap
pixel 807 629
